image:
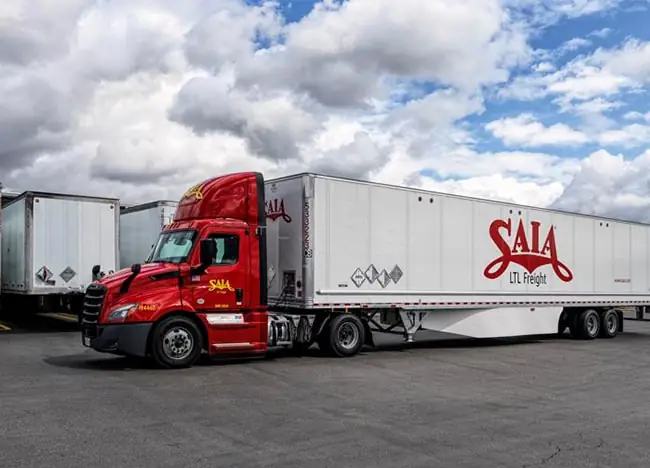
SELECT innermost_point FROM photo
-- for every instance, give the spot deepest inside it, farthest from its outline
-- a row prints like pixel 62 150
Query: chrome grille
pixel 92 308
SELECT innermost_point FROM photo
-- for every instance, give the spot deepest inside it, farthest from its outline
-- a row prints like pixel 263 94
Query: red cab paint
pixel 227 210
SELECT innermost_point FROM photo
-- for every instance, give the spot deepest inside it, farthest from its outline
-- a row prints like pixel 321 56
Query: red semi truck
pixel 248 265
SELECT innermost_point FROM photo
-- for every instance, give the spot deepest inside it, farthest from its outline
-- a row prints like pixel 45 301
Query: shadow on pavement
pixel 106 362
pixel 24 323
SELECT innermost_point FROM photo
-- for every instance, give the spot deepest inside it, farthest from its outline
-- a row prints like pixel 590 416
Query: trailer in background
pixel 140 226
pixel 50 245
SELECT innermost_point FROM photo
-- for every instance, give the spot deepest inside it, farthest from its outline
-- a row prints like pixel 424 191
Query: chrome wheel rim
pixel 177 343
pixel 592 324
pixel 348 335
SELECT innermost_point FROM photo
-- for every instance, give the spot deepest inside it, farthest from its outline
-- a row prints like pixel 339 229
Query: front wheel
pixel 176 342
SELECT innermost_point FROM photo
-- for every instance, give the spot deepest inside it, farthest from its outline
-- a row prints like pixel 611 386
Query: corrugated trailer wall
pixel 52 242
pixel 390 245
pixel 140 226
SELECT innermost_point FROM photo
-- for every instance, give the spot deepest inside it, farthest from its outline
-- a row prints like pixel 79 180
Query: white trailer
pixel 140 226
pixel 468 267
pixel 51 243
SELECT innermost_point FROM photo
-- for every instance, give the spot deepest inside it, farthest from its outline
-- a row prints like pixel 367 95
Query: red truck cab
pixel 203 288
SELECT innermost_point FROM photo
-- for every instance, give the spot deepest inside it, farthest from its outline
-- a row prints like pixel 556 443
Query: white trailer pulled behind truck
pixel 411 259
pixel 139 228
pixel 51 243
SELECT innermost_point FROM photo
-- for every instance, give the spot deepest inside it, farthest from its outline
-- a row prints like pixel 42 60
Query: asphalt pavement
pixel 551 403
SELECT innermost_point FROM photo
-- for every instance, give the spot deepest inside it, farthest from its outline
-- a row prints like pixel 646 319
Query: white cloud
pixel 574 44
pixel 601 33
pixel 634 115
pixel 610 185
pixel 543 67
pixel 141 99
pixel 498 187
pixel 604 73
pixel 628 136
pixel 525 131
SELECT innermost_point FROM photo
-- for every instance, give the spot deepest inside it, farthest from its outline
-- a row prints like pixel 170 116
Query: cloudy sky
pixel 539 102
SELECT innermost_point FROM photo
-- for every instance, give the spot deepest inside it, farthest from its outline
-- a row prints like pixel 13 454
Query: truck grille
pixel 93 302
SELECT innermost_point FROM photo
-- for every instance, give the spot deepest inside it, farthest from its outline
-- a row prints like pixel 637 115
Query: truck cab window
pixel 227 249
pixel 172 246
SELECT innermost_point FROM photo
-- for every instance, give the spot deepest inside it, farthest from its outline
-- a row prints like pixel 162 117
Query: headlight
pixel 120 313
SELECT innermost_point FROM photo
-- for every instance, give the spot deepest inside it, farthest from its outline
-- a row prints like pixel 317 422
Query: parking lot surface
pixel 551 403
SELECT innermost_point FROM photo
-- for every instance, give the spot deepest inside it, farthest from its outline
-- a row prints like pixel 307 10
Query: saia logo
pixel 275 210
pixel 195 191
pixel 524 250
pixel 220 285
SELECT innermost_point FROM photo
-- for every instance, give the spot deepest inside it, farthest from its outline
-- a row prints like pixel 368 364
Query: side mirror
pixel 207 252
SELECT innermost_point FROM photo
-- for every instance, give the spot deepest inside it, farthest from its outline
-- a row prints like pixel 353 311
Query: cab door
pixel 221 295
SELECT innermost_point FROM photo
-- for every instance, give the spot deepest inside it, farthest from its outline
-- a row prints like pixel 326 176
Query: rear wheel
pixel 588 324
pixel 609 324
pixel 176 342
pixel 345 335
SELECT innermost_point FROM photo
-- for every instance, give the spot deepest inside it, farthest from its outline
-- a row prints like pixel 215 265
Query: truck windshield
pixel 172 247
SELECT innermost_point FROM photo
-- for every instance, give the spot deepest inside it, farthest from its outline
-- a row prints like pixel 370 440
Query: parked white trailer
pixel 51 242
pixel 465 266
pixel 140 226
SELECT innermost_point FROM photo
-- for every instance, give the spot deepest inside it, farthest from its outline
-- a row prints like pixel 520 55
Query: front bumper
pixel 126 339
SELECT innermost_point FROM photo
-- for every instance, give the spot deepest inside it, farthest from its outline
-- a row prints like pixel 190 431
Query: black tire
pixel 188 342
pixel 346 335
pixel 304 338
pixel 588 324
pixel 609 324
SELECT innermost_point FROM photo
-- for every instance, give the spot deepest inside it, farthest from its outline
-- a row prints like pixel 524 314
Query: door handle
pixel 239 295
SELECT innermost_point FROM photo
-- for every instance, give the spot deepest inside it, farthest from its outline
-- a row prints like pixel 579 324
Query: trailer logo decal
pixel 527 254
pixel 220 285
pixel 275 210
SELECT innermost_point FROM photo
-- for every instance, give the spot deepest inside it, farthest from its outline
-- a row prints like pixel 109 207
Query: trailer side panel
pixel 391 246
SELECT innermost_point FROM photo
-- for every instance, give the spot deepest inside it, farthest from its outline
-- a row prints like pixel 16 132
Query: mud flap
pixel 369 339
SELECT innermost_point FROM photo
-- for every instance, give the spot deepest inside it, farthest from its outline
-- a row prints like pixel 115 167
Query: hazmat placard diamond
pixel 371 274
pixel 44 274
pixel 384 278
pixel 358 277
pixel 67 274
pixel 396 274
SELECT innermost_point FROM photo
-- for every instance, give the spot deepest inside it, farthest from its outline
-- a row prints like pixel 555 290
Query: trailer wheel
pixel 588 324
pixel 176 342
pixel 345 335
pixel 609 324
